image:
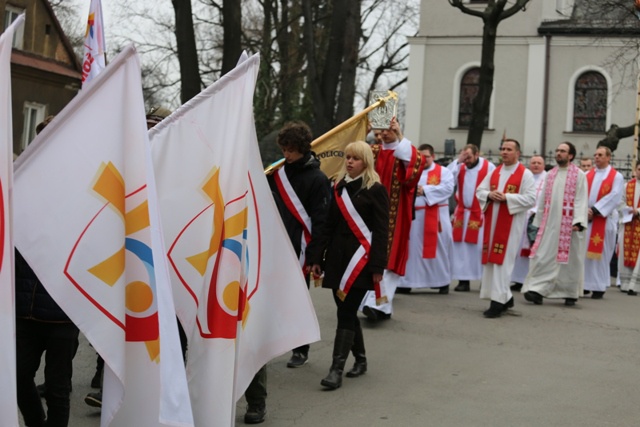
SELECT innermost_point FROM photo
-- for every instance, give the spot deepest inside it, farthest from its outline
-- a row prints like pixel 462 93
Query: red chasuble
pixel 599 223
pixel 496 253
pixel 631 230
pixel 401 183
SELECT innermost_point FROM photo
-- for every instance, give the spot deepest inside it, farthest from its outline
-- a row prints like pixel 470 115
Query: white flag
pixel 8 407
pixel 238 288
pixel 93 61
pixel 86 222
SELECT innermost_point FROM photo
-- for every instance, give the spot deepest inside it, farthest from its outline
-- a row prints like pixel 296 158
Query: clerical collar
pixel 475 164
pixel 603 170
pixel 510 167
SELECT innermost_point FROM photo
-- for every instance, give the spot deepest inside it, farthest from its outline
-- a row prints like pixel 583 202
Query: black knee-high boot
pixel 358 351
pixel 341 347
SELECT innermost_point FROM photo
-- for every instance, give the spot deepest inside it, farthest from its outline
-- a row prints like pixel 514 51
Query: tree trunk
pixel 187 52
pixel 352 37
pixel 482 102
pixel 317 100
pixel 232 32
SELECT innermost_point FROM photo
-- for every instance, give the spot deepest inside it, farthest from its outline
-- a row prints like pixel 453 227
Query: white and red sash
pixel 294 205
pixel 475 215
pixel 498 250
pixel 599 223
pixel 361 256
pixel 566 223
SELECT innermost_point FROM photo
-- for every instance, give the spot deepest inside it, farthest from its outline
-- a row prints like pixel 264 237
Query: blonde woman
pixel 352 249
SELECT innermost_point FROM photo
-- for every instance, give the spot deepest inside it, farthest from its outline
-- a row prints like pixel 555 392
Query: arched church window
pixel 590 103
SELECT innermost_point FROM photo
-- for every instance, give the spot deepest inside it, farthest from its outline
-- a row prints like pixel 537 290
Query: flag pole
pixel 635 129
pixel 379 103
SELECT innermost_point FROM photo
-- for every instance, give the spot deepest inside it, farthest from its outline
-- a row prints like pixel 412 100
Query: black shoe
pixel 255 414
pixel 444 290
pixel 463 286
pixel 630 292
pixel 94 399
pixel 42 389
pixel 597 295
pixel 533 297
pixel 570 302
pixel 297 359
pixel 516 287
pixel 508 305
pixel 373 314
pixel 359 368
pixel 495 310
pixel 587 292
pixel 403 290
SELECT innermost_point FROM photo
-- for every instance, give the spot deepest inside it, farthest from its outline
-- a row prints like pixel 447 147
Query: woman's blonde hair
pixel 361 150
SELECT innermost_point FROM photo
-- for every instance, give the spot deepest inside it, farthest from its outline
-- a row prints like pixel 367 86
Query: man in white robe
pixel 605 192
pixel 557 256
pixel 468 172
pixel 505 195
pixel 629 236
pixel 429 263
pixel 521 267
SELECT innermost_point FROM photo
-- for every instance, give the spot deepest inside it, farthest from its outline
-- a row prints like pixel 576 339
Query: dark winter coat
pixel 338 243
pixel 32 299
pixel 312 187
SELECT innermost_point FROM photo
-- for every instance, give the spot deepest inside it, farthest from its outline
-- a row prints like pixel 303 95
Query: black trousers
pixel 59 342
pixel 348 309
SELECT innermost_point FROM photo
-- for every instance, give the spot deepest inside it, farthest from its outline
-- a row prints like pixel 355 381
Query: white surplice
pixel 546 276
pixel 596 272
pixel 521 266
pixel 467 262
pixel 626 215
pixel 497 278
pixel 434 272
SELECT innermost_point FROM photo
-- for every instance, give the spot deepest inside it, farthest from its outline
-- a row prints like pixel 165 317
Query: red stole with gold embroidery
pixel 475 215
pixel 504 219
pixel 599 223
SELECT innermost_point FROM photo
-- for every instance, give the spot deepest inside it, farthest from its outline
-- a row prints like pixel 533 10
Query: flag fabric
pixel 86 221
pixel 8 407
pixel 329 147
pixel 238 288
pixel 93 61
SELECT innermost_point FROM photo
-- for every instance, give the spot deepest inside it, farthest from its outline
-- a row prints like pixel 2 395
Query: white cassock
pixel 521 266
pixel 596 271
pixel 434 272
pixel 496 278
pixel 466 260
pixel 546 276
pixel 628 275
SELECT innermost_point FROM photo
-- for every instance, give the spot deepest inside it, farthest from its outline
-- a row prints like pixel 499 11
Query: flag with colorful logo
pixel 8 407
pixel 239 291
pixel 86 221
pixel 93 61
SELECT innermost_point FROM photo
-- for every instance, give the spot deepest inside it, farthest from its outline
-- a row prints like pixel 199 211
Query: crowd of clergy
pixel 548 232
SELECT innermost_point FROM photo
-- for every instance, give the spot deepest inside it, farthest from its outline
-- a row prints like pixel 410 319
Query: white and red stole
pixel 504 219
pixel 566 224
pixel 599 223
pixel 475 216
pixel 431 217
pixel 294 205
pixel 631 229
pixel 361 256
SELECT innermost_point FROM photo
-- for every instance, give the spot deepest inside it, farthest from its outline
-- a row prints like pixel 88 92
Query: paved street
pixel 438 362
